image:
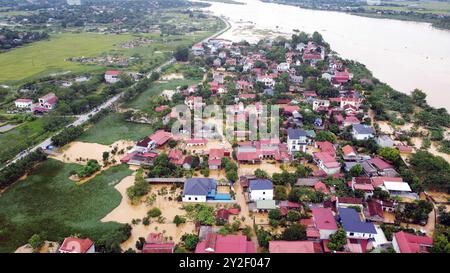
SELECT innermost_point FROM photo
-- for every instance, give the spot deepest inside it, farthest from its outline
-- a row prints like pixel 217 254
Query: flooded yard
pixel 126 212
pixel 270 167
pixel 81 152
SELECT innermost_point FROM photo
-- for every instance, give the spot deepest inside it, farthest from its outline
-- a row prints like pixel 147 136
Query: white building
pixel 283 67
pixel 260 189
pixel 268 81
pixel 354 226
pixel 362 132
pixel 23 103
pixel 112 76
pixel 198 189
pixel 320 103
pixel 297 140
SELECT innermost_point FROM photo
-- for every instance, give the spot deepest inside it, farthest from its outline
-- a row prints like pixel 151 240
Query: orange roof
pixel 379 180
pixel 347 149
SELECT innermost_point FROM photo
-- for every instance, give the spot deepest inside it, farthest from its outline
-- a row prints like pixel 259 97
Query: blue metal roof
pixel 296 133
pixel 199 186
pixel 363 129
pixel 352 222
pixel 261 184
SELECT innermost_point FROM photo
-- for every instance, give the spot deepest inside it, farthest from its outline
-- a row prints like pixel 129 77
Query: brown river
pixel 406 55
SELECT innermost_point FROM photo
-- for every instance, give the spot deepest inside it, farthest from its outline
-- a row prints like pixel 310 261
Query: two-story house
pixel 297 140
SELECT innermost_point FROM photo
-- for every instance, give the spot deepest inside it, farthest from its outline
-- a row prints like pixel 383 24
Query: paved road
pixel 81 119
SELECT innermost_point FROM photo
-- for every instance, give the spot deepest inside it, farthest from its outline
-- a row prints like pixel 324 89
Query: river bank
pixel 403 13
pixel 403 54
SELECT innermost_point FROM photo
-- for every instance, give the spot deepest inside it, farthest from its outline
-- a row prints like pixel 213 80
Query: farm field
pixel 142 101
pixel 45 57
pixel 421 7
pixel 21 137
pixel 113 128
pixel 47 202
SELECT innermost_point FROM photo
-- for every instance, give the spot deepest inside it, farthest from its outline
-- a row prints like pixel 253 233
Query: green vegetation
pixel 441 240
pixel 11 173
pixel 67 135
pixel 305 194
pixel 89 169
pixel 112 128
pixel 295 232
pixel 230 169
pixel 261 174
pixel 162 167
pixel 178 220
pixel 154 213
pixel 190 241
pixel 47 201
pixel 200 213
pixel 436 7
pixel 326 136
pixel 46 57
pixel 337 240
pixel 140 187
pixel 18 139
pixel 433 171
pixel 36 242
pixel 416 213
pixel 143 100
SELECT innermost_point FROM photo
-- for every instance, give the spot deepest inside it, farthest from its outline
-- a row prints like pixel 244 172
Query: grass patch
pixel 44 57
pixel 22 137
pixel 48 202
pixel 142 101
pixel 113 128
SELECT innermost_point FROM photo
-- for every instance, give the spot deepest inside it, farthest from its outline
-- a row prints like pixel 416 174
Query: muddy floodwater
pixel 406 55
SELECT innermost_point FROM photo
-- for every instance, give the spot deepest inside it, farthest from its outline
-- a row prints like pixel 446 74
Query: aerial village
pixel 329 183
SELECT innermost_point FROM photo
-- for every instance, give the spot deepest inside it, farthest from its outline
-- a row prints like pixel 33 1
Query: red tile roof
pixel 216 243
pixel 379 180
pixel 156 243
pixel 347 150
pixel 176 157
pixel 364 187
pixel 161 108
pixel 222 214
pixel 328 160
pixel 350 200
pixel 24 100
pixel 294 247
pixel 404 148
pixel 380 163
pixel 374 208
pixel 160 137
pixel 197 141
pixel 76 245
pixel 324 219
pixel 326 147
pixel 112 72
pixel 410 243
pixel 320 186
pixel 215 156
pixel 247 156
pixel 234 211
